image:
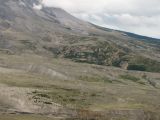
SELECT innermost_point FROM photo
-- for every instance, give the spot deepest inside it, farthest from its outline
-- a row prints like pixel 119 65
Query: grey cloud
pixel 138 16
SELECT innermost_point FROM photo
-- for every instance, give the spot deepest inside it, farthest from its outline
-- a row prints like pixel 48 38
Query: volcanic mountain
pixel 52 63
pixel 25 28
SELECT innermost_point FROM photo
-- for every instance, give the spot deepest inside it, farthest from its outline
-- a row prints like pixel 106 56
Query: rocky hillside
pixel 29 27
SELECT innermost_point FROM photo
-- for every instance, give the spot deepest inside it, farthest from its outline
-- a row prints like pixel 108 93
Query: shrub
pixel 129 77
pixel 137 67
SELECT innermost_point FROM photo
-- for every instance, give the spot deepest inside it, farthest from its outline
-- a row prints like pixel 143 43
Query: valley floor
pixel 33 87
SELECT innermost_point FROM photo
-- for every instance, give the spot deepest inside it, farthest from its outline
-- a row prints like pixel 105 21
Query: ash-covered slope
pixel 26 26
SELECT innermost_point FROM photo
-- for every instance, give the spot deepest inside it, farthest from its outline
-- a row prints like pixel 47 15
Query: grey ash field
pixel 54 66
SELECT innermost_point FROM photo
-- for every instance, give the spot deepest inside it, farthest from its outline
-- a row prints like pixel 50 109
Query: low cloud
pixel 37 7
pixel 138 16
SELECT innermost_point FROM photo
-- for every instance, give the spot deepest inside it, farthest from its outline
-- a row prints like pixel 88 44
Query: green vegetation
pixel 28 44
pixel 144 64
pixel 95 79
pixel 97 52
pixel 25 117
pixel 137 67
pixel 67 97
pixel 129 77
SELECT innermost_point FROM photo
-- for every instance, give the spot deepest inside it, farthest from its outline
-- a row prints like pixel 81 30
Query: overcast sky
pixel 137 16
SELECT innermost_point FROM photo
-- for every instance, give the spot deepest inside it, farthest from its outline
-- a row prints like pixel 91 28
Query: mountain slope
pixel 54 66
pixel 24 28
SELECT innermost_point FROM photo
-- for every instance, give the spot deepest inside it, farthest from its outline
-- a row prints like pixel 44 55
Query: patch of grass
pixel 29 44
pixel 43 95
pixel 129 77
pixel 63 96
pixel 142 82
pixel 95 79
pixel 119 106
pixel 26 80
pixel 67 97
pixel 25 117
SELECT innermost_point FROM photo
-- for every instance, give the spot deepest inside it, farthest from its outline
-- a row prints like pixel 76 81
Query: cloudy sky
pixel 137 16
